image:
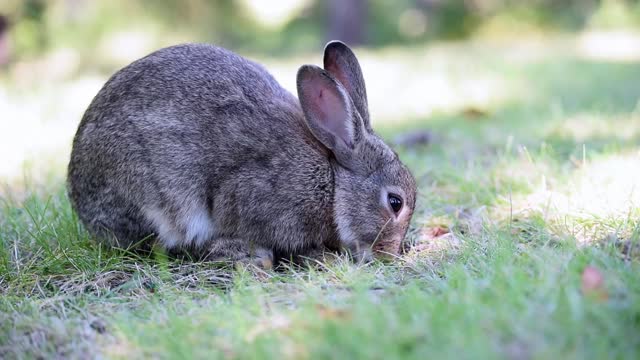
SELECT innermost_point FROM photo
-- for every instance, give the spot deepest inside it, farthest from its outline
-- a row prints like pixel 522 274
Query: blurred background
pixel 425 61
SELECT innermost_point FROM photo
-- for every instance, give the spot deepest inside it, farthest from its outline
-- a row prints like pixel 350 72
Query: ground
pixel 525 242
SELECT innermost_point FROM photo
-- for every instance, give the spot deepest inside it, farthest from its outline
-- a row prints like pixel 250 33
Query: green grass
pixel 533 190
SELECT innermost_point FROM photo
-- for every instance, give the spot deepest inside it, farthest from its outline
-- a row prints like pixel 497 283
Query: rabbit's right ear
pixel 329 112
pixel 342 64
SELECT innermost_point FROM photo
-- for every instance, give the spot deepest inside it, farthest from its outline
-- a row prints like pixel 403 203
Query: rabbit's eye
pixel 395 202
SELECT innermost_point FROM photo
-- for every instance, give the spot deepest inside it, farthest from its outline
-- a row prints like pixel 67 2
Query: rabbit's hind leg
pixel 122 227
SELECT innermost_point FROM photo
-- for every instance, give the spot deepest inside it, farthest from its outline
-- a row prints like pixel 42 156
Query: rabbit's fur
pixel 201 149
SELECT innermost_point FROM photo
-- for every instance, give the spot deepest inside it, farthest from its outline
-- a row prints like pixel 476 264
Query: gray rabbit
pixel 202 150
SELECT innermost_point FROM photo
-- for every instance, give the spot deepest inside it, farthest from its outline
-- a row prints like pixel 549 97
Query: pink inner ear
pixel 336 70
pixel 332 113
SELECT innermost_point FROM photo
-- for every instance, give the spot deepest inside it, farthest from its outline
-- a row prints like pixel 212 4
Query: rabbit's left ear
pixel 342 64
pixel 329 113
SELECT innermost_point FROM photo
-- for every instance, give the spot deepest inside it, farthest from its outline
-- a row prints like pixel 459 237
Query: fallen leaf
pixel 438 231
pixel 474 113
pixel 435 239
pixel 593 283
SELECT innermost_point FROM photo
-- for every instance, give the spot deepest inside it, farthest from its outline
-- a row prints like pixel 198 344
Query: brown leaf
pixel 435 239
pixel 473 113
pixel 437 231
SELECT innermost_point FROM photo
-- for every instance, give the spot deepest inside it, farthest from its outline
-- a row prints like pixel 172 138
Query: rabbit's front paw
pixel 261 258
pixel 240 251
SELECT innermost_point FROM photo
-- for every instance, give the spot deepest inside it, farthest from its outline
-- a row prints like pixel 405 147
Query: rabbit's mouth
pixel 385 248
pixel 388 248
pixel 361 253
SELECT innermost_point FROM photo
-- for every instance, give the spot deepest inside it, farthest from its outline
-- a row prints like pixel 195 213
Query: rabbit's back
pixel 194 141
pixel 187 85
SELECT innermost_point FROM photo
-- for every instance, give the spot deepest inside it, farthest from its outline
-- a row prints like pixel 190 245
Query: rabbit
pixel 195 147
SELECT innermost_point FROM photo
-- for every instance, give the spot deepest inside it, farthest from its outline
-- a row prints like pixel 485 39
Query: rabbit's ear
pixel 342 63
pixel 329 112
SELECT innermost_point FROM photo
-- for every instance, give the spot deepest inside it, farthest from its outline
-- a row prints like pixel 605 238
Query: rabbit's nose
pixel 363 255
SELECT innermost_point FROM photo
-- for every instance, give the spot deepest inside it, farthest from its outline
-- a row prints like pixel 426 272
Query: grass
pixel 518 196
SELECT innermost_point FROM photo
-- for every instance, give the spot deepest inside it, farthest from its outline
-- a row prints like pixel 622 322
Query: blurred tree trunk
pixel 347 20
pixel 5 50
